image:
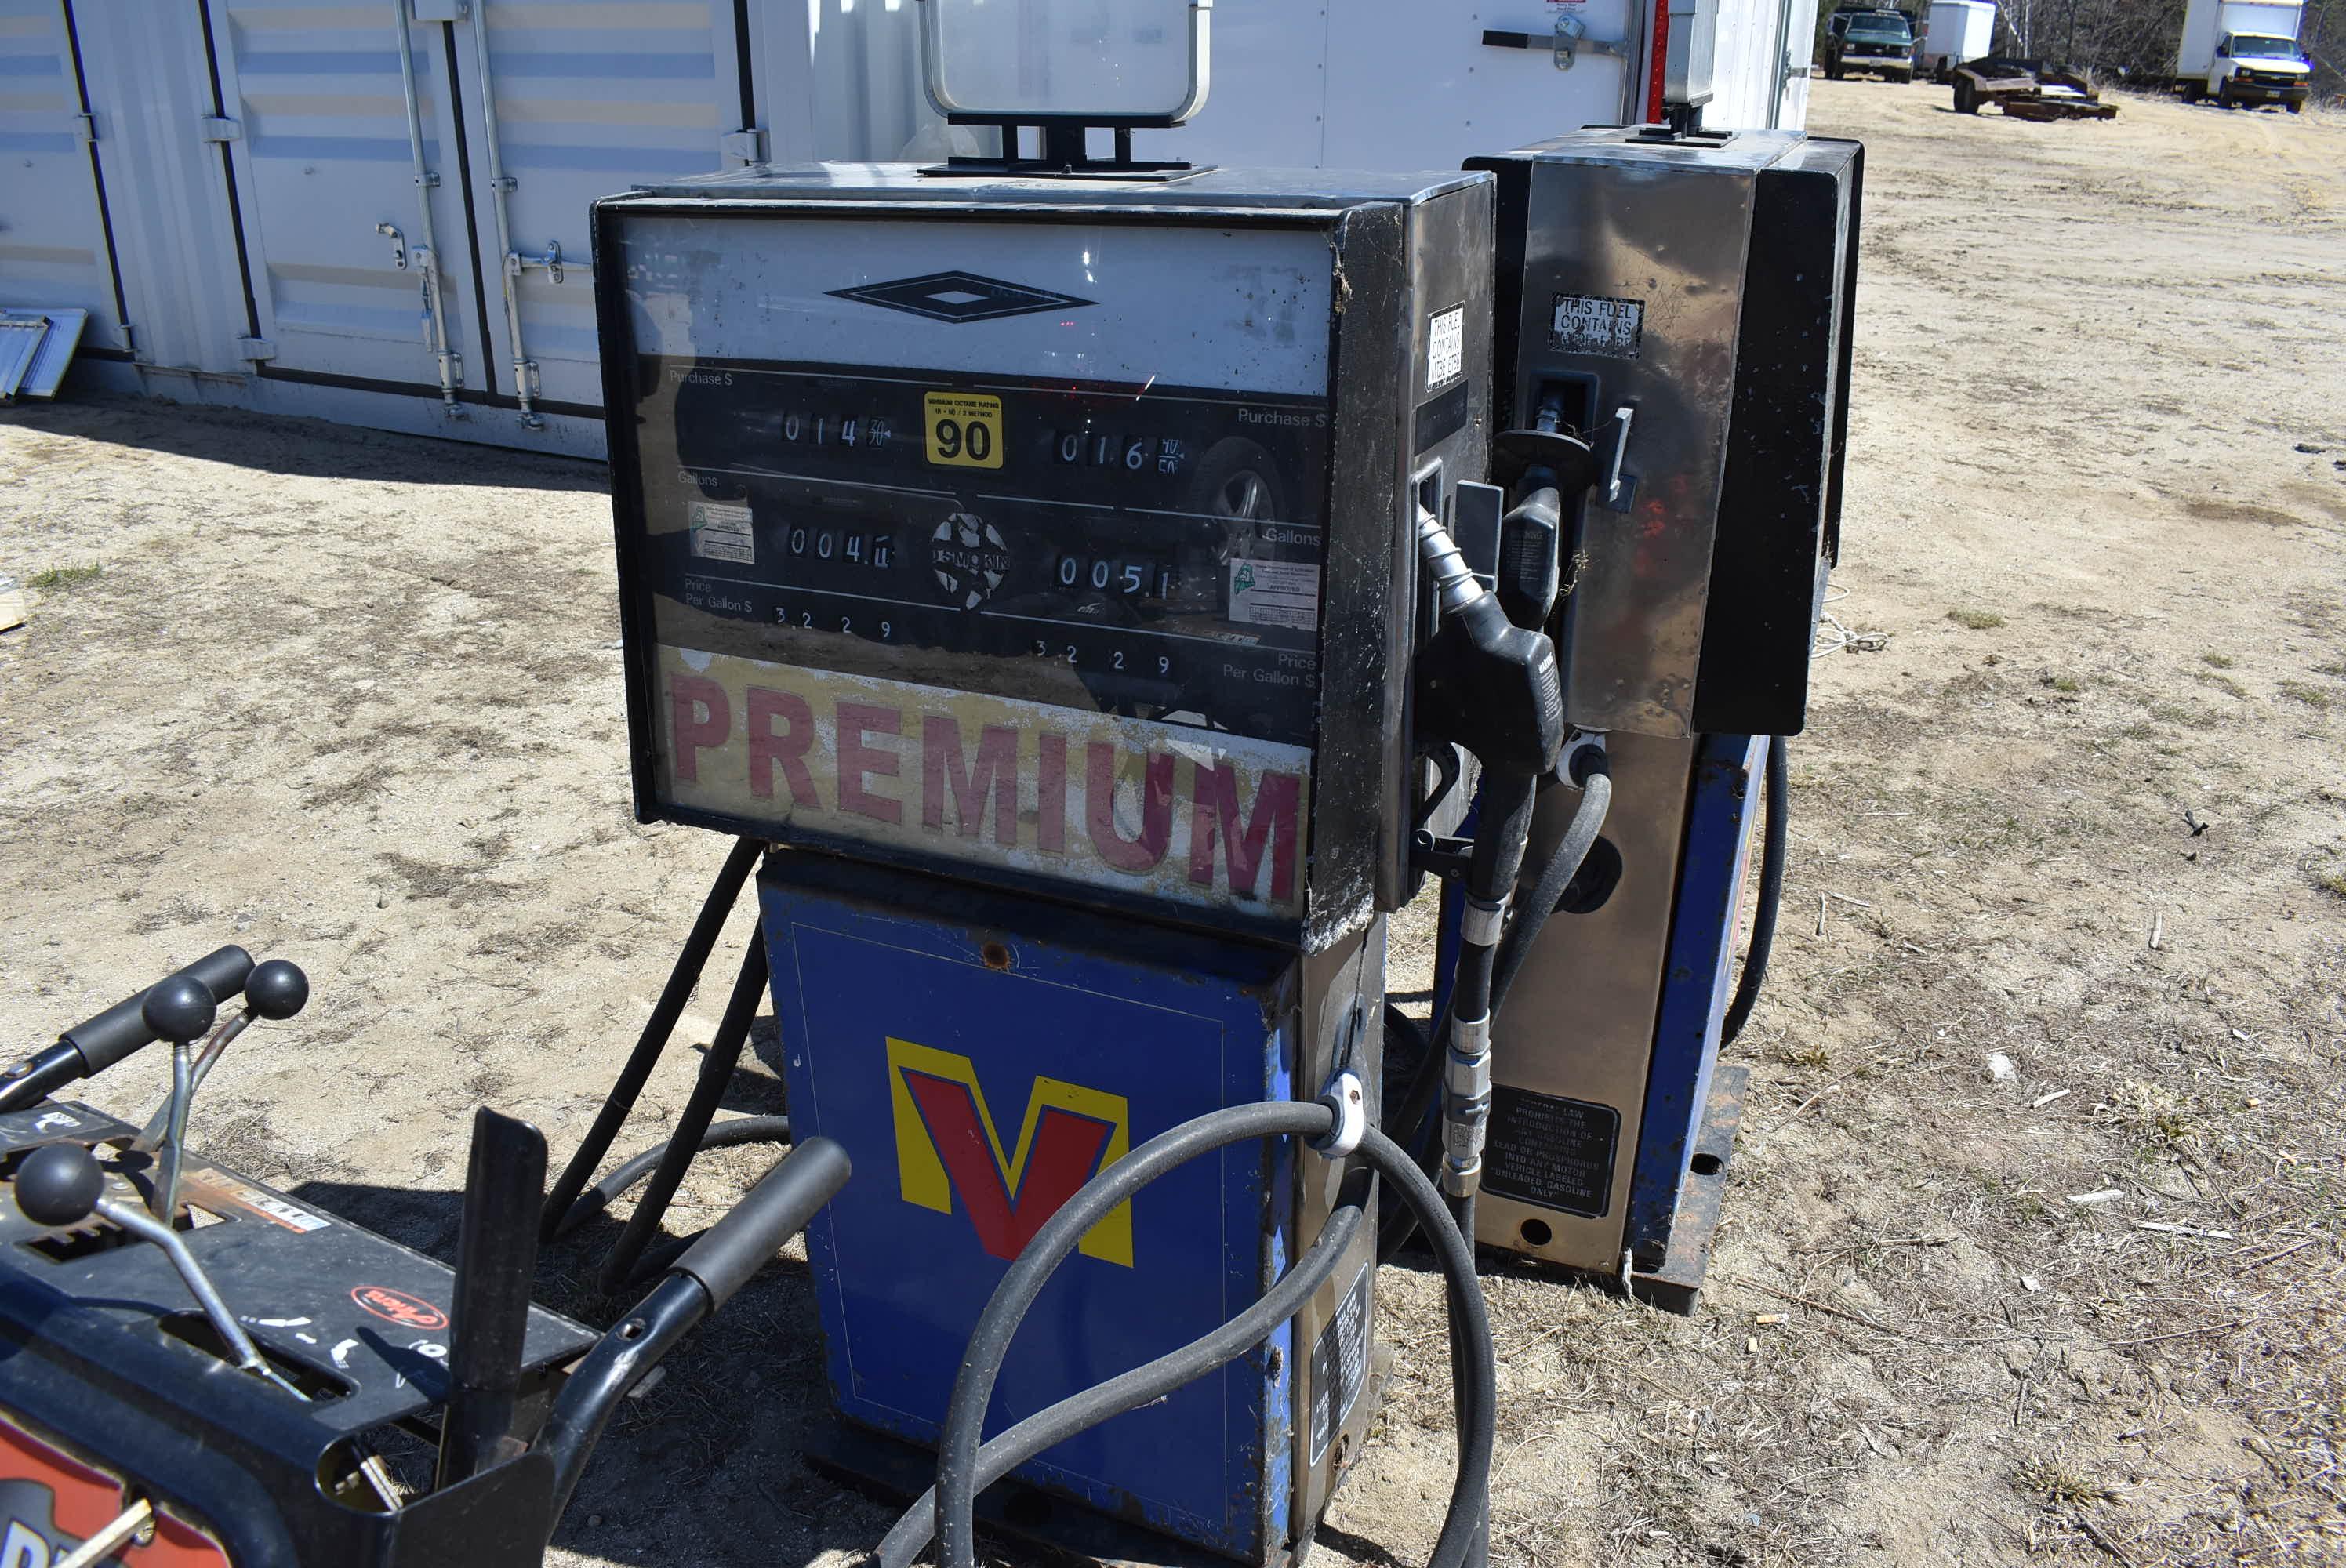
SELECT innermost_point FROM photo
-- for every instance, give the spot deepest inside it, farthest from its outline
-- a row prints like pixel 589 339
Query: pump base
pixel 1679 1281
pixel 895 1472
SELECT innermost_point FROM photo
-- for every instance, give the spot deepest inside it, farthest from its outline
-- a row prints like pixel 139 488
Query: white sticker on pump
pixel 1445 346
pixel 723 534
pixel 1276 593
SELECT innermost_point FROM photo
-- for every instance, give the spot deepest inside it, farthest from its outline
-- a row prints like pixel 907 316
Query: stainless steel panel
pixel 1580 1020
pixel 1343 991
pixel 1660 231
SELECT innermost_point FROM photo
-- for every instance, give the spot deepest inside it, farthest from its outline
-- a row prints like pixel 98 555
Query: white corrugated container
pixel 1957 31
pixel 230 187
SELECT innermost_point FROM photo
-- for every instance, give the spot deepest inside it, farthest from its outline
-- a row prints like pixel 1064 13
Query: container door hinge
pixel 744 146
pixel 255 348
pixel 215 127
pixel 85 128
pixel 1572 35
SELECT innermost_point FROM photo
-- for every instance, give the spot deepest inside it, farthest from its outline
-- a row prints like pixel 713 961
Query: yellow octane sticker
pixel 965 429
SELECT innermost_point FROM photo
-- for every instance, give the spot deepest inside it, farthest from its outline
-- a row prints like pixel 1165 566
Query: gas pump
pixel 1090 593
pixel 1035 562
pixel 1681 299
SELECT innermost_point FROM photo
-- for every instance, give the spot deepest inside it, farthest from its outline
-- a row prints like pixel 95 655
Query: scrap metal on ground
pixel 2028 90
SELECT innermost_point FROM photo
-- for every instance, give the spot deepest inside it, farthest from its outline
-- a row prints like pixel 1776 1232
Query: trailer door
pixel 324 181
pixel 580 99
pixel 54 248
pixel 1419 86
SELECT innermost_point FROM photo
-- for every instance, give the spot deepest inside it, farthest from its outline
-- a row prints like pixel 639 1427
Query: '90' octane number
pixel 964 429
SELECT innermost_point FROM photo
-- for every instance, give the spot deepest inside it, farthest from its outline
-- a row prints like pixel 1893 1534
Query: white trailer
pixel 375 210
pixel 1955 31
pixel 2244 52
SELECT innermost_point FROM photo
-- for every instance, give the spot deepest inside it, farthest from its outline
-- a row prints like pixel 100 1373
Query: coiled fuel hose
pixel 965 1466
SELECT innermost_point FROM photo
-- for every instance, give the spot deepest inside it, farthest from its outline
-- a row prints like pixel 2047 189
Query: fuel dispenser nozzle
pixel 1484 682
pixel 1490 686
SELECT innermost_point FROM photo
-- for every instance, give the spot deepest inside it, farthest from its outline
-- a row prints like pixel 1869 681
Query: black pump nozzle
pixel 1484 682
pixel 1548 470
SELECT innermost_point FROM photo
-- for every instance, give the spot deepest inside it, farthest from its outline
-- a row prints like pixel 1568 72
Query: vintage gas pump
pixel 1030 553
pixel 1681 300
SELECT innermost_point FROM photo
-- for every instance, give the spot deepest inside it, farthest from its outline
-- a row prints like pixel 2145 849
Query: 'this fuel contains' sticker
pixel 1275 594
pixel 1593 324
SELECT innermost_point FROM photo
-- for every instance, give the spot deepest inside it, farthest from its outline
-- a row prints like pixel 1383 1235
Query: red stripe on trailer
pixel 1659 55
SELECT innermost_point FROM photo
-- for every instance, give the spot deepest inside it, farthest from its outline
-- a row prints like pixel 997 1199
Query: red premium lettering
pixel 699 717
pixel 788 747
pixel 1145 853
pixel 1051 794
pixel 995 772
pixel 856 720
pixel 1215 805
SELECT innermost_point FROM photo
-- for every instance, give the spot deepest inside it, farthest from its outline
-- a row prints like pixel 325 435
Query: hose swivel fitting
pixel 1465 1105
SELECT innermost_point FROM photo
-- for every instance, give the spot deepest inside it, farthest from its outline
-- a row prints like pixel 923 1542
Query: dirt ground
pixel 2075 793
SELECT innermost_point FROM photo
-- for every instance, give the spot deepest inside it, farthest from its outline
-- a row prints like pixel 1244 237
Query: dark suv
pixel 1878 41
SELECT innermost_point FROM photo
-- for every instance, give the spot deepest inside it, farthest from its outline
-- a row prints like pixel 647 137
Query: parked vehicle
pixel 1882 42
pixel 1955 33
pixel 2244 52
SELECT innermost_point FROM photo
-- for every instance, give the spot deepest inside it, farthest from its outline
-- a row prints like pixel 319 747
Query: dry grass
pixel 2298 691
pixel 52 579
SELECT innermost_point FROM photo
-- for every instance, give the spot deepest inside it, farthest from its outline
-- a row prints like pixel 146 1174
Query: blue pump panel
pixel 1694 985
pixel 980 1057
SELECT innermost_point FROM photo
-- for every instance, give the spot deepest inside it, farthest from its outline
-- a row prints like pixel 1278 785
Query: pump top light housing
pixel 1120 63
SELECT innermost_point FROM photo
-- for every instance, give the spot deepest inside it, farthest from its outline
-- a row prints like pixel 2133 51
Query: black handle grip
pixel 496 1263
pixel 777 1208
pixel 119 1029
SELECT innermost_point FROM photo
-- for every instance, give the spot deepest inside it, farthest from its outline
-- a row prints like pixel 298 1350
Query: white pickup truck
pixel 2244 52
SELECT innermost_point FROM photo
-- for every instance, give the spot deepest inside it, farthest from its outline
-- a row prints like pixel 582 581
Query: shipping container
pixel 375 210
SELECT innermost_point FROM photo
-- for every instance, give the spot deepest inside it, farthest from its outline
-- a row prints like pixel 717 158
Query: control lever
pixel 178 1010
pixel 275 989
pixel 63 1183
pixel 698 1284
pixel 96 1043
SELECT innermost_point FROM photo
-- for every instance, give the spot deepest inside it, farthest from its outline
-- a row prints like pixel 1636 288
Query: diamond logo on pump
pixel 959 297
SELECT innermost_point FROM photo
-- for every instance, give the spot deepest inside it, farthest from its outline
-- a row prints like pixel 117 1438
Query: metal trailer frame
pixel 2018 87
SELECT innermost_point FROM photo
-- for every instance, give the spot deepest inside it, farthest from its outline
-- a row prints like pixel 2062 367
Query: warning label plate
pixel 1547 1150
pixel 1339 1366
